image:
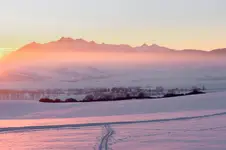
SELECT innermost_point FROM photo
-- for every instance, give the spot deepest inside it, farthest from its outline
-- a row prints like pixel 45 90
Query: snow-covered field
pixel 187 123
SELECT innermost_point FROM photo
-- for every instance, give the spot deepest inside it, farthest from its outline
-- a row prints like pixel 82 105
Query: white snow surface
pixel 185 123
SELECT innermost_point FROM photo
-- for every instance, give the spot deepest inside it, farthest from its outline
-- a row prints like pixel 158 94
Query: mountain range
pixel 82 51
pixel 70 61
pixel 83 45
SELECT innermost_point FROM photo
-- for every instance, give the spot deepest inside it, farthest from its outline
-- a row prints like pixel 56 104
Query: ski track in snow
pixel 33 128
pixel 104 140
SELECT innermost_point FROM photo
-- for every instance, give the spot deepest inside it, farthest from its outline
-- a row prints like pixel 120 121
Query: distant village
pixel 97 94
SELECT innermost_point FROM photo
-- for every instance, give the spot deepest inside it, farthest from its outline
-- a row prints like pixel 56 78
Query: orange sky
pixel 178 24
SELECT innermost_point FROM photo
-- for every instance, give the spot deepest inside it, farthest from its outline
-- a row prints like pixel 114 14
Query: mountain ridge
pixel 83 51
pixel 84 45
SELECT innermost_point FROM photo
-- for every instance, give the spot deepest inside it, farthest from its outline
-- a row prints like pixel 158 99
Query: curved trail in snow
pixel 104 140
pixel 32 128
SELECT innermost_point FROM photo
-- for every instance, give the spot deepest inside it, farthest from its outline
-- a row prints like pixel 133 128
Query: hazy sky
pixel 199 24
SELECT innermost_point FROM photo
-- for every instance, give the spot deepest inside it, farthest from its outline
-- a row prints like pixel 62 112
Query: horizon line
pixel 99 43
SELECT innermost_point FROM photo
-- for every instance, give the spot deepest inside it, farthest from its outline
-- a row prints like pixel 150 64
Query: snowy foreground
pixel 183 123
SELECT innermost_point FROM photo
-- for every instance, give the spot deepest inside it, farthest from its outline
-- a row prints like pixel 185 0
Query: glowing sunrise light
pixel 5 51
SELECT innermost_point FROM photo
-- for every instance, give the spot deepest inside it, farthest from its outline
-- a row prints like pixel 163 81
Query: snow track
pixel 32 128
pixel 104 140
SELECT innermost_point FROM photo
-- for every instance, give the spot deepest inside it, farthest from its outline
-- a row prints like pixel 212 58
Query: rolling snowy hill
pixel 192 122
